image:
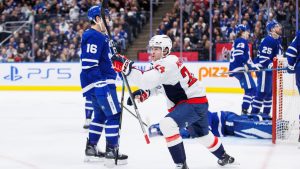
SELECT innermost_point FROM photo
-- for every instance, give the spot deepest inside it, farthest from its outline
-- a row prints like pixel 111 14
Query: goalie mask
pixel 161 41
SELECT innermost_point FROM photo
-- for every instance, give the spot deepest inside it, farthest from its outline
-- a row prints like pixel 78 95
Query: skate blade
pixel 231 165
pixel 88 159
pixel 110 163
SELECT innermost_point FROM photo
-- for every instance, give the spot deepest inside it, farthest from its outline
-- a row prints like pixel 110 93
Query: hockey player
pixel 293 57
pixel 185 97
pixel 269 48
pixel 240 60
pixel 227 123
pixel 88 112
pixel 98 82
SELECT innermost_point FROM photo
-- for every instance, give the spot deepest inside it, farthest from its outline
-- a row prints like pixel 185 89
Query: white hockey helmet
pixel 161 41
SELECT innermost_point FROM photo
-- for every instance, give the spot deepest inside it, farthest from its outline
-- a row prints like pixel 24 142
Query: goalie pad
pixel 253 127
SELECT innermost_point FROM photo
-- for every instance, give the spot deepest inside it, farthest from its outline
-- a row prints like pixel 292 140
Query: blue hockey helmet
pixel 240 28
pixel 271 24
pixel 94 11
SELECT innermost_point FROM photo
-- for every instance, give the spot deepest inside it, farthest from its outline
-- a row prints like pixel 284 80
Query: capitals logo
pixel 14 74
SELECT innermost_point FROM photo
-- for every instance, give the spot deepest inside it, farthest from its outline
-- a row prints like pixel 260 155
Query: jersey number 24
pixel 185 72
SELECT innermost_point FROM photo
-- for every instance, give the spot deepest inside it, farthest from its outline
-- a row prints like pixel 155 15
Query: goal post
pixel 286 104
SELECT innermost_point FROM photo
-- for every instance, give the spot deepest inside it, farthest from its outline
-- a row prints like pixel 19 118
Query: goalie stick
pixel 114 51
pixel 249 71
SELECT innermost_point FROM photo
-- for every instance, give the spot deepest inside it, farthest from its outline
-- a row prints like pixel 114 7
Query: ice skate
pixel 87 123
pixel 92 153
pixel 182 166
pixel 245 112
pixel 226 159
pixel 110 158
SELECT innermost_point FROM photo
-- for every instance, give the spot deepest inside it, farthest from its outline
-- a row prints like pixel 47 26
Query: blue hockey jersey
pixel 293 56
pixel 268 49
pixel 97 73
pixel 226 123
pixel 240 55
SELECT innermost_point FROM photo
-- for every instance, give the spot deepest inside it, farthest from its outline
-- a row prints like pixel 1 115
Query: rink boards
pixel 65 76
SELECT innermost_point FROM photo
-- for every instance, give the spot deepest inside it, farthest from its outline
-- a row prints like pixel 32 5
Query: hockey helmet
pixel 240 28
pixel 271 24
pixel 161 41
pixel 96 11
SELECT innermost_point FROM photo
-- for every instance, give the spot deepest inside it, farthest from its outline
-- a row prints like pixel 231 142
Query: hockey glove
pixel 290 69
pixel 255 67
pixel 121 64
pixel 140 95
pixel 270 66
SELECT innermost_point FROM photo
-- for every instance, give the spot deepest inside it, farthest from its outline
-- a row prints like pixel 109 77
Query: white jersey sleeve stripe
pixel 291 55
pixel 87 67
pixel 294 49
pixel 88 87
pixel 90 60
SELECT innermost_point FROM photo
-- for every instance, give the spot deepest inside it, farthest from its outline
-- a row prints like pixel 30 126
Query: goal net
pixel 286 105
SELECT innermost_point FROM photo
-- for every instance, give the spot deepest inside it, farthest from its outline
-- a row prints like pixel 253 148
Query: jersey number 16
pixel 91 48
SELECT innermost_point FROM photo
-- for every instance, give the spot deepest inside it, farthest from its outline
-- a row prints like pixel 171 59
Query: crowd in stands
pixel 59 24
pixel 225 15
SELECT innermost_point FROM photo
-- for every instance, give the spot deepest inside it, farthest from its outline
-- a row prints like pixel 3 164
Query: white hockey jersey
pixel 170 77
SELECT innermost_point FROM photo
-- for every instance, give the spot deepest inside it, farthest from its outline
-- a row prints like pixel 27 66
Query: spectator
pixel 22 52
pixel 3 55
pixel 63 25
pixel 74 12
pixel 73 56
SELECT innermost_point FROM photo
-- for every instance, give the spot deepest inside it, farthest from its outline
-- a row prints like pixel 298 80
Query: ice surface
pixel 43 130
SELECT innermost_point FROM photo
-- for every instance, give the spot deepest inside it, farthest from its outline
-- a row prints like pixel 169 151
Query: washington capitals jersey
pixel 170 77
pixel 240 55
pixel 292 51
pixel 268 49
pixel 97 72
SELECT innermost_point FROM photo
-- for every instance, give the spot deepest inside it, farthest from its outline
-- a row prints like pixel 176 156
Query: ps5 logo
pixel 14 74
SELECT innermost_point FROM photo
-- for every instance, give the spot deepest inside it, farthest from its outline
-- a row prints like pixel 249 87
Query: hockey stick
pixel 249 71
pixel 114 51
pixel 120 123
pixel 145 124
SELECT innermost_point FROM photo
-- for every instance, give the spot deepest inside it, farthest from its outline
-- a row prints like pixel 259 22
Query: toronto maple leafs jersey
pixel 268 49
pixel 293 56
pixel 240 55
pixel 224 123
pixel 97 73
pixel 170 77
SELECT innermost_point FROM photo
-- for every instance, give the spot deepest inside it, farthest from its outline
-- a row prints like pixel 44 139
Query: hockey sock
pixel 219 151
pixel 112 129
pixel 213 144
pixel 246 102
pixel 95 131
pixel 267 105
pixel 247 99
pixel 178 153
pixel 170 130
pixel 88 108
pixel 88 113
pixel 256 106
